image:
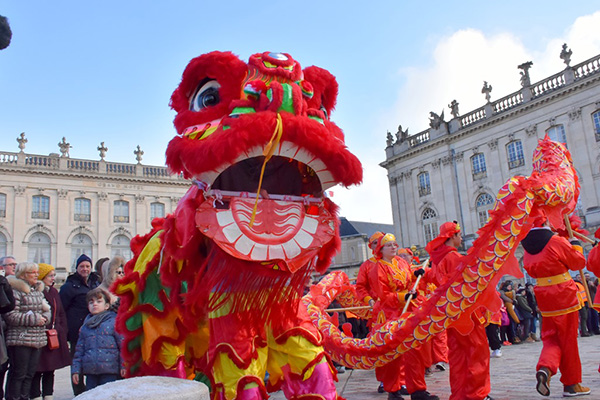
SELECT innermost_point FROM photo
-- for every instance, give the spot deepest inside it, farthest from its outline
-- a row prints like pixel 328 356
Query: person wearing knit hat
pixel 468 355
pixel 548 258
pixel 72 295
pixel 42 383
pixel 394 288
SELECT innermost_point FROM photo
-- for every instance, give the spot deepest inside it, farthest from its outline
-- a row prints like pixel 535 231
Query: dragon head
pixel 261 127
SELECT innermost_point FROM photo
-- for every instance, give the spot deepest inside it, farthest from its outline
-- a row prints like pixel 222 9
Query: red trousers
pixel 408 369
pixel 391 374
pixel 469 359
pixel 560 350
pixel 439 348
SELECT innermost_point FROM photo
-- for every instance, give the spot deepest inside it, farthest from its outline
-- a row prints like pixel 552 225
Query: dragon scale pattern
pixel 552 187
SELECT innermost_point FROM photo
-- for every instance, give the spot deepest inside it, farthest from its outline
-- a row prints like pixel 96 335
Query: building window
pixel 83 210
pixel 39 248
pixel 424 185
pixel 557 133
pixel 596 119
pixel 3 245
pixel 478 166
pixel 82 244
pixel 121 211
pixel 41 207
pixel 120 247
pixel 2 205
pixel 353 253
pixel 515 154
pixel 484 204
pixel 430 227
pixel 157 210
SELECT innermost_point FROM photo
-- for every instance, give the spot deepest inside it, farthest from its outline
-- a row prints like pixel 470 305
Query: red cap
pixel 388 237
pixel 405 250
pixel 373 239
pixel 447 230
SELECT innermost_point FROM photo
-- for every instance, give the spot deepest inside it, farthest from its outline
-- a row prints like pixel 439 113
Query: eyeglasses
pixel 120 273
pixel 10 265
pixel 33 273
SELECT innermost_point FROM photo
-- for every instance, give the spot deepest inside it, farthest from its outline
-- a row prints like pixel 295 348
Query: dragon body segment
pixel 552 188
pixel 216 287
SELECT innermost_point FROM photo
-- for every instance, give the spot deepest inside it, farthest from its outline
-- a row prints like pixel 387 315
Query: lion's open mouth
pixel 290 222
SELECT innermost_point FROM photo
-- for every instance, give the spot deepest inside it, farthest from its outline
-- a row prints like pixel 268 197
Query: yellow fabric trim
pixel 150 249
pixel 560 312
pixel 554 280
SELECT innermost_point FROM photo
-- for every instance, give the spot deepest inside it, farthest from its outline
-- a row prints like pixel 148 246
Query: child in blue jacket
pixel 98 351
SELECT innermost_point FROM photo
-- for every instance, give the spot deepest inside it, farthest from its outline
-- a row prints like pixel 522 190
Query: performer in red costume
pixel 593 265
pixel 394 281
pixel 438 345
pixel 469 356
pixel 364 288
pixel 548 258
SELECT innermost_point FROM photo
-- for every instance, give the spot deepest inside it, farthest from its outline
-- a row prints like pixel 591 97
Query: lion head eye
pixel 207 95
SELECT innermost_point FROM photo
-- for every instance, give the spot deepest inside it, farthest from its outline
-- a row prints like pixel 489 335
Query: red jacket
pixel 548 258
pixel 364 286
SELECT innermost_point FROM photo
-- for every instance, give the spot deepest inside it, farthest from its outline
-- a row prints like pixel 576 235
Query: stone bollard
pixel 148 388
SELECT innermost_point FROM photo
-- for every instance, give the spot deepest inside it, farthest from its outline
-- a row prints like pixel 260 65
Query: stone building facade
pixel 54 208
pixel 453 170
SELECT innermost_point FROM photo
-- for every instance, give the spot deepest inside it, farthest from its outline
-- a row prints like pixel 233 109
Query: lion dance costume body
pixel 216 287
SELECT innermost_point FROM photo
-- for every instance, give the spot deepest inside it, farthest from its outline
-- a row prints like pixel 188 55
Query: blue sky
pixel 104 71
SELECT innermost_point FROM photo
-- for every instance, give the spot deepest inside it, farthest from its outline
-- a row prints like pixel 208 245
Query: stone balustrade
pixel 507 102
pixel 419 138
pixel 588 67
pixel 547 85
pixel 472 117
pixel 71 165
pixel 568 76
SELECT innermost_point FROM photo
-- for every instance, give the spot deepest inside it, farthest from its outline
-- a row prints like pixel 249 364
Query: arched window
pixel 83 210
pixel 39 248
pixel 596 120
pixel 478 166
pixel 40 207
pixel 82 244
pixel 3 245
pixel 484 204
pixel 424 185
pixel 121 211
pixel 514 151
pixel 157 210
pixel 429 218
pixel 120 247
pixel 2 205
pixel 557 133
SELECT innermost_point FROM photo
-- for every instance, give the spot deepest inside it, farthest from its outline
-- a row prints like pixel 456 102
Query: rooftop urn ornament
pixel 102 149
pixel 138 154
pixel 565 55
pixel 22 140
pixel 486 90
pixel 454 109
pixel 64 147
pixel 525 80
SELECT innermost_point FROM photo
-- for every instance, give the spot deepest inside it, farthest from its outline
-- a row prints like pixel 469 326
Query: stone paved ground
pixel 513 377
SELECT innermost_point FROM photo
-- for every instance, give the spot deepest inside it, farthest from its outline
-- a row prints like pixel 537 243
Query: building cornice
pixel 494 119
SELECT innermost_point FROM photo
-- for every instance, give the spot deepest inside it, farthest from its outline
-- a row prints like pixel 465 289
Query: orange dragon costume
pixel 215 287
pixel 552 187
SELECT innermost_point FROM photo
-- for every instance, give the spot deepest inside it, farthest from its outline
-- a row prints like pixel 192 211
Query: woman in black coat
pixel 51 360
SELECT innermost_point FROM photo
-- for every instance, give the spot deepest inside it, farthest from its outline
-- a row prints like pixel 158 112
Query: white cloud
pixel 460 63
